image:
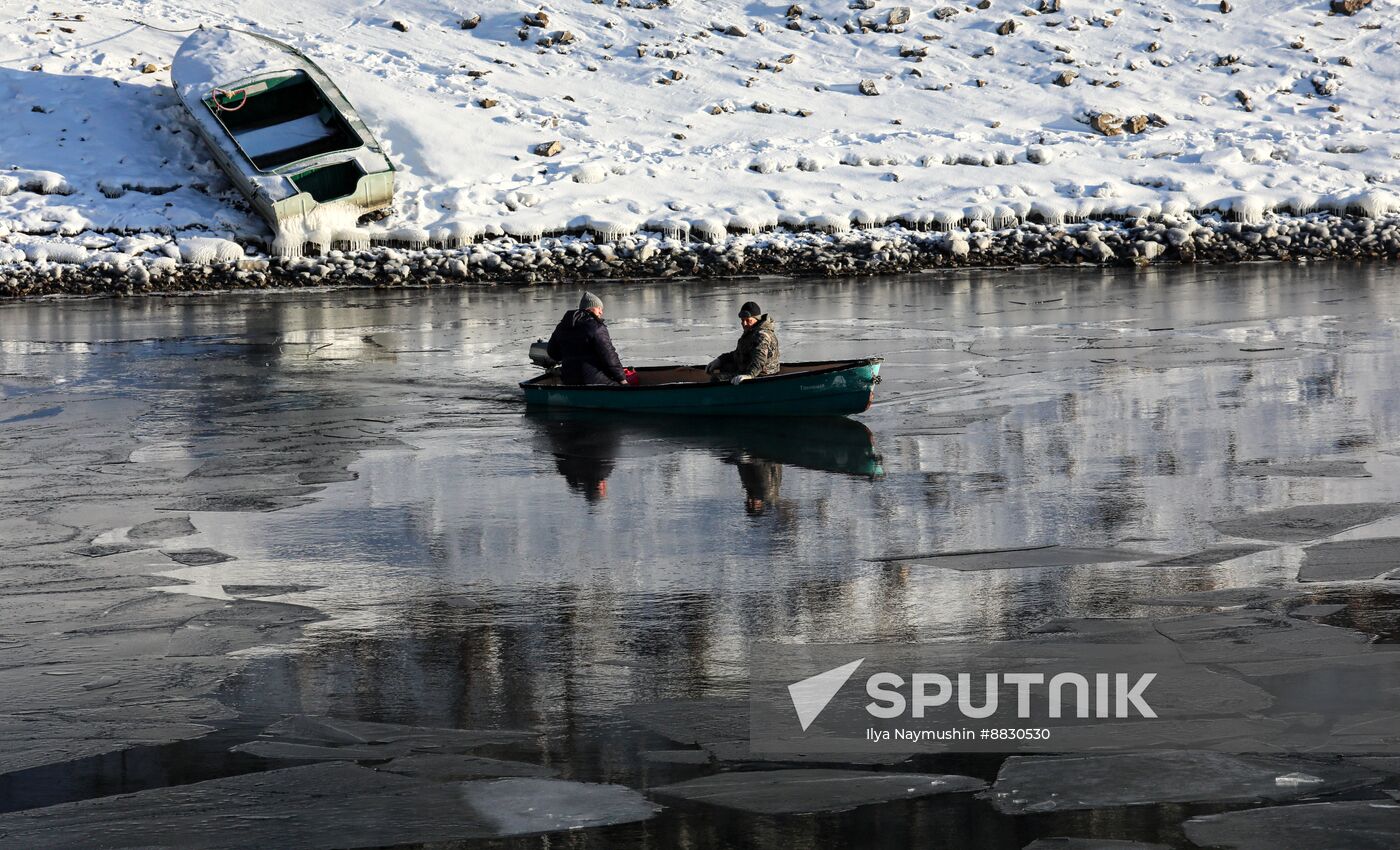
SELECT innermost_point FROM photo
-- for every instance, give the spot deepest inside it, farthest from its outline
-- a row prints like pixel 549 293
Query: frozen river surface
pixel 558 582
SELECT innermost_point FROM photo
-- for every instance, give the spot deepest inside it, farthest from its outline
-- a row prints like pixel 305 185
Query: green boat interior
pixel 329 182
pixel 287 119
pixel 653 376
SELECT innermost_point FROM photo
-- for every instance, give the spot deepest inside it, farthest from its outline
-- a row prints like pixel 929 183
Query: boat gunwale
pixel 841 366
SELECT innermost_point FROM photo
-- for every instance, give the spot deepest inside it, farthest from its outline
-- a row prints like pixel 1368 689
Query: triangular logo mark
pixel 810 696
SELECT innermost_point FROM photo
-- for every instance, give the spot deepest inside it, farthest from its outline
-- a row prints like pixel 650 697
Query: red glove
pixel 630 377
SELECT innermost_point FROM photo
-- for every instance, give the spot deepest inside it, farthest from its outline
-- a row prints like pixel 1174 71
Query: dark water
pixel 489 567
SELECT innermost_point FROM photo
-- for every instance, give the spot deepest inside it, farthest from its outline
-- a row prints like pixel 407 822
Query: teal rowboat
pixel 829 388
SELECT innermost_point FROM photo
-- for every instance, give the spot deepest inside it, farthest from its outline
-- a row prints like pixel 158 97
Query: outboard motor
pixel 539 355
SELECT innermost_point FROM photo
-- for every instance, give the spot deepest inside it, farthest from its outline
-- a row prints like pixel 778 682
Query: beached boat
pixel 828 388
pixel 286 136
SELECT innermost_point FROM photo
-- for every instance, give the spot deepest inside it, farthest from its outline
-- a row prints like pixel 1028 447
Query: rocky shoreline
pixel 890 249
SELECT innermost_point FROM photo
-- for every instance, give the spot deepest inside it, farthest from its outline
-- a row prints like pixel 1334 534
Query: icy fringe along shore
pixel 576 139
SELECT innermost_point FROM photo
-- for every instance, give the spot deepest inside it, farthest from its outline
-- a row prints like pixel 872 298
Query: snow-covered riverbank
pixel 713 125
pixel 888 250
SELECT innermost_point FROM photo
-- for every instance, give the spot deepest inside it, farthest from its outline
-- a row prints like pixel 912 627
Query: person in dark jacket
pixel 583 348
pixel 755 355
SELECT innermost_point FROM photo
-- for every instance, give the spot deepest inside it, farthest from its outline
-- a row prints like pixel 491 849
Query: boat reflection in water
pixel 586 445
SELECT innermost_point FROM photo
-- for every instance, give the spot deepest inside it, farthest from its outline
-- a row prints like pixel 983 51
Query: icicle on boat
pixel 286 136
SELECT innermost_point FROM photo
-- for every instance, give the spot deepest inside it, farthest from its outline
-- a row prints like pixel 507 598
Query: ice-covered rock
pixel 42 182
pixel 203 250
pixel 669 227
pixel 828 223
pixel 710 230
pixel 1049 211
pixel 763 165
pixel 868 218
pixel 589 173
pixel 55 252
pixel 1372 203
pixel 459 232
pixel 162 266
pixel 609 228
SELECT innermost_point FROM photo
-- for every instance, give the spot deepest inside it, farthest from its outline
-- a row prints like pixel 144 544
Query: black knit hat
pixel 750 310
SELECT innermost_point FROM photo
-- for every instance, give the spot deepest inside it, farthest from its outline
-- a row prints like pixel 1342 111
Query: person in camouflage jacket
pixel 756 354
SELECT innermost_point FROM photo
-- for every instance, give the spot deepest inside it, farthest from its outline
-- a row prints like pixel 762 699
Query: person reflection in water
pixel 588 476
pixel 762 481
pixel 585 455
